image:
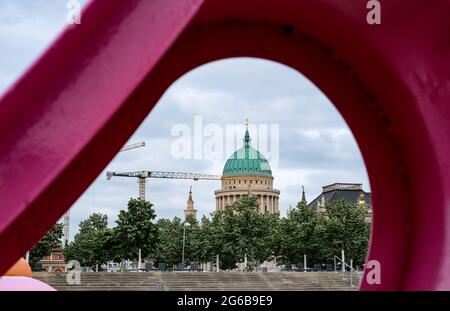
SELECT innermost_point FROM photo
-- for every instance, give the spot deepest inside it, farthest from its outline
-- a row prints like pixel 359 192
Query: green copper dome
pixel 247 161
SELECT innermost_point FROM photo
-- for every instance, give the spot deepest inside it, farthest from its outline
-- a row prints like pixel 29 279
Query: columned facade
pixel 235 187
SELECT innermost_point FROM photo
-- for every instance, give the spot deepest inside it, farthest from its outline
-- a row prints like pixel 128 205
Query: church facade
pixel 247 172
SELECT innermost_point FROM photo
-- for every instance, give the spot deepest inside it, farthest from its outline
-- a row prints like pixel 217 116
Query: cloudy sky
pixel 308 141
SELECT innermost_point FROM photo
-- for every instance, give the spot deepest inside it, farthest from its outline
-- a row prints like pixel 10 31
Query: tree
pixel 170 242
pixel 169 246
pixel 88 246
pixel 198 243
pixel 224 238
pixel 301 235
pixel 195 239
pixel 320 236
pixel 51 240
pixel 240 231
pixel 234 233
pixel 274 236
pixel 347 229
pixel 136 230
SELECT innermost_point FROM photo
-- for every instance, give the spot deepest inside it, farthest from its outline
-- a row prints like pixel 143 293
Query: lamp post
pixel 185 224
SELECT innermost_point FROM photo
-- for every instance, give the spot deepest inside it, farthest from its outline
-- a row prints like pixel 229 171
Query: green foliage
pixel 169 245
pixel 136 229
pixel 346 229
pixel 321 236
pixel 196 245
pixel 199 241
pixel 239 230
pixel 302 234
pixel 51 240
pixel 88 246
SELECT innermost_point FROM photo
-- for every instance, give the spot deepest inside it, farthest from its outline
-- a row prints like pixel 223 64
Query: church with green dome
pixel 247 172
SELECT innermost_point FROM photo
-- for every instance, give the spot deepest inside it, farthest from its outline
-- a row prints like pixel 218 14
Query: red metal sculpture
pixel 389 81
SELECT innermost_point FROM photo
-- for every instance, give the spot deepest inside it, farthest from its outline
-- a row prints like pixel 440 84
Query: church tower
pixel 247 172
pixel 303 196
pixel 190 210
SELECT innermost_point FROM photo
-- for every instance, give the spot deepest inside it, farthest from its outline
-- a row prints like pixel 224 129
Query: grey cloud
pixel 224 92
pixel 26 29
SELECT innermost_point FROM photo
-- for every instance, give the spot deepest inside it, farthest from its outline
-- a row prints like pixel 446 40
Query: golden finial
pixel 246 123
pixel 362 200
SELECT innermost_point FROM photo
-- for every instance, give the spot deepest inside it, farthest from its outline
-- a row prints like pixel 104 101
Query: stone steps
pixel 202 281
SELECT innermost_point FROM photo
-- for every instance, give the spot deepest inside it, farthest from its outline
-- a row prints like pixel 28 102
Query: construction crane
pixel 132 146
pixel 143 175
pixel 66 226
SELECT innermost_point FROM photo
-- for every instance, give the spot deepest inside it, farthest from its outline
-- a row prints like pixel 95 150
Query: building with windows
pixel 247 172
pixel 352 193
pixel 55 262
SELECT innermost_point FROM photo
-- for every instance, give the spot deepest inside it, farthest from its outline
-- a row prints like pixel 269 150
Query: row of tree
pixel 235 233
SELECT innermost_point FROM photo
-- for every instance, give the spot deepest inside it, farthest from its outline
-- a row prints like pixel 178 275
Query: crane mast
pixel 66 223
pixel 66 228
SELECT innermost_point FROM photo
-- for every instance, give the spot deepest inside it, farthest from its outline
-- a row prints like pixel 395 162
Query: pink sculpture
pixel 389 81
pixel 23 283
pixel 19 278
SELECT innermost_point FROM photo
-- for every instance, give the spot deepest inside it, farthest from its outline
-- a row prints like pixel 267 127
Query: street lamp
pixel 185 224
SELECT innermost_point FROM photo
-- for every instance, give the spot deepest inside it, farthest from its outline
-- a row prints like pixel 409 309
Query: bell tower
pixel 190 210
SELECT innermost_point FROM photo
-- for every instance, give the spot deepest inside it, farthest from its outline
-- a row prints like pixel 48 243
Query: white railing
pixel 344 269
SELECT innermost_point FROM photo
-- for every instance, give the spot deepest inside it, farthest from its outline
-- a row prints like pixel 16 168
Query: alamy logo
pixel 73 269
pixel 373 275
pixel 214 142
pixel 374 15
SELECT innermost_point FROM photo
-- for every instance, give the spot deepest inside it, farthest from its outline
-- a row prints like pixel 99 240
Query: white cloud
pixel 310 133
pixel 191 100
pixel 26 29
